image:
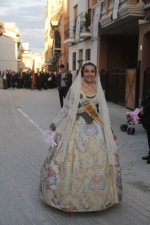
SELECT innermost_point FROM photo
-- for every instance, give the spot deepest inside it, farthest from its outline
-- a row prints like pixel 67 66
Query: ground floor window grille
pixel 87 54
pixel 74 61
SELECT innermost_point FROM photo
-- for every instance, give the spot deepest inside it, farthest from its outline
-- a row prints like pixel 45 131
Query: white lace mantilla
pixel 65 119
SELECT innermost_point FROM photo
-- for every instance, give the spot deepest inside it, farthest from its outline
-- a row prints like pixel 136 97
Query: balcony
pixel 55 17
pixel 85 21
pixel 69 33
pixel 85 33
pixel 127 12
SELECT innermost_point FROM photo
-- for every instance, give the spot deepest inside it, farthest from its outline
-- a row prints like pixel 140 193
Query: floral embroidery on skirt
pixel 84 181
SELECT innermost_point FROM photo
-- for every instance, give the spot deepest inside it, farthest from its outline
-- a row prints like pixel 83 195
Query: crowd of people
pixel 83 142
pixel 28 79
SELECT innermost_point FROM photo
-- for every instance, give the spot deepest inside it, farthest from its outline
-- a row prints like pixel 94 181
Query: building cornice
pixel 127 12
pixel 15 39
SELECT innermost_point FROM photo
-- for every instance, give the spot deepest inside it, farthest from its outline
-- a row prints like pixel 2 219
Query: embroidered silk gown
pixel 84 181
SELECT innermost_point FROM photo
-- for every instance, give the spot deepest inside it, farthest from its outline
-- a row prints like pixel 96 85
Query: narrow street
pixel 23 114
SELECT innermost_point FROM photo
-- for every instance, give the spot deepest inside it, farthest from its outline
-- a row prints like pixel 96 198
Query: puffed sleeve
pixel 63 112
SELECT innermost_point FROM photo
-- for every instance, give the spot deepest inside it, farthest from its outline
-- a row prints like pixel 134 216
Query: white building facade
pixel 83 45
pixel 9 41
pixel 115 35
pixel 30 60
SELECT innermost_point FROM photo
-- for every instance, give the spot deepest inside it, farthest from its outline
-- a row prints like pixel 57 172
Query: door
pixel 130 88
pixel 146 85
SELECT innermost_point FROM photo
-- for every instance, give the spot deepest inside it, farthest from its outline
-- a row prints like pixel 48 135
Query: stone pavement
pixel 22 153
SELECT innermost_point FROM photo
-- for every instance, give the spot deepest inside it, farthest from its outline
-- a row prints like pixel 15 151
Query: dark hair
pixel 61 66
pixel 87 64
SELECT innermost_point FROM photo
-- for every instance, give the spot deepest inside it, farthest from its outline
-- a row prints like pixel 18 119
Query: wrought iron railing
pixel 70 27
pixel 69 30
pixel 103 9
pixel 85 19
pixel 146 1
pixel 108 11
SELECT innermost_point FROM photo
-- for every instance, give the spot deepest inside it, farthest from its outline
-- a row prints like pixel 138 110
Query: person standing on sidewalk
pixel 61 81
pixel 13 79
pixel 145 111
pixel 82 173
pixel 4 76
pixel 69 80
pixel 39 78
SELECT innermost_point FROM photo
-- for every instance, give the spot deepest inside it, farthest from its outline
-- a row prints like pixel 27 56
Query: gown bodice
pixel 82 113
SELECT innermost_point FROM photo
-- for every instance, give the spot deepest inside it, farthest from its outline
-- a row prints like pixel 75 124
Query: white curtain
pixel 115 10
pixel 97 13
pixel 77 33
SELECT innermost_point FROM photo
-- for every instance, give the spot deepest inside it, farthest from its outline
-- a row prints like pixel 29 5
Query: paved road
pixel 22 114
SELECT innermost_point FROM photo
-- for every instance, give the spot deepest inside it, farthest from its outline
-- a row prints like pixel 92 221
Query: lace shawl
pixel 65 119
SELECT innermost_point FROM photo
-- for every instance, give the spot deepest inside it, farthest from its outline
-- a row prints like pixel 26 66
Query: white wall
pixel 82 7
pixel 75 48
pixel 94 52
pixel 25 46
pixel 28 59
pixel 8 53
pixel 38 63
pixel 87 44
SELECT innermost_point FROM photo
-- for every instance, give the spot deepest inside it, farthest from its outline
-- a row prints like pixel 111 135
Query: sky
pixel 29 18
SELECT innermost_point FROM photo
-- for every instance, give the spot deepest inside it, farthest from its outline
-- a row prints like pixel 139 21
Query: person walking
pixel 29 81
pixel 49 78
pixel 9 72
pixel 20 82
pixel 1 80
pixel 82 173
pixel 145 111
pixel 13 79
pixel 61 81
pixel 69 80
pixel 4 76
pixel 45 81
pixel 32 79
pixel 39 79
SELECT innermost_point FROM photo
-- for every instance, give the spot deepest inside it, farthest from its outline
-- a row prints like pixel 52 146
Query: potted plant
pixel 87 21
pixel 74 29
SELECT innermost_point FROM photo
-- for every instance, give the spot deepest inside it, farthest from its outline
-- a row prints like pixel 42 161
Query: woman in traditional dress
pixel 82 173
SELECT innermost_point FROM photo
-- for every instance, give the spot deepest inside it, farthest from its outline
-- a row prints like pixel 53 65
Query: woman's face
pixel 89 73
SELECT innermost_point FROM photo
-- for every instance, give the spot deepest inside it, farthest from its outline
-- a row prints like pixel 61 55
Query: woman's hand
pixel 141 111
pixel 114 136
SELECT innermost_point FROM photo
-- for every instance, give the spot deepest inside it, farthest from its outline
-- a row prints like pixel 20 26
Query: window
pixel 74 61
pixel 80 60
pixel 75 12
pixel 80 54
pixel 87 54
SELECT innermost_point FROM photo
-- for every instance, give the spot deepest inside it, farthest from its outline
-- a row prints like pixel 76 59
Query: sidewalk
pixel 22 114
